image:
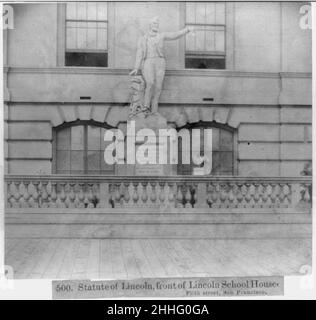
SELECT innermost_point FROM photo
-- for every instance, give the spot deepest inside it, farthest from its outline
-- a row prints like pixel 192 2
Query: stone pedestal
pixel 153 166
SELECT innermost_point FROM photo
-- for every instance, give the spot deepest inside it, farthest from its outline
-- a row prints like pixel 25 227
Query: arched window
pixel 79 148
pixel 223 150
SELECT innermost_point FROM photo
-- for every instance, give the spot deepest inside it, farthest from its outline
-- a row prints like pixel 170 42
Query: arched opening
pixel 79 148
pixel 223 149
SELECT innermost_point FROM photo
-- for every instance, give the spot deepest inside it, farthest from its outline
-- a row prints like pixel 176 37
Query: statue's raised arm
pixel 150 57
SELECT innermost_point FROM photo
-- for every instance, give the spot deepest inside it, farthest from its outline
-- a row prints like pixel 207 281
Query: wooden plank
pixel 23 256
pixel 188 246
pixel 217 262
pixel 56 260
pixel 118 267
pixel 141 260
pixel 93 260
pixel 105 262
pixel 164 257
pixel 130 259
pixel 67 264
pixel 196 269
pixel 40 247
pixel 269 257
pixel 81 260
pixel 44 259
pixel 155 264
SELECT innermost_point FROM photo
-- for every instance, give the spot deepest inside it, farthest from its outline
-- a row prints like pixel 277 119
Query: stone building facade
pixel 262 95
pixel 245 73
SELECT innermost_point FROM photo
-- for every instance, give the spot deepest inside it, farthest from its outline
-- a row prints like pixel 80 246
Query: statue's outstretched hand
pixel 133 72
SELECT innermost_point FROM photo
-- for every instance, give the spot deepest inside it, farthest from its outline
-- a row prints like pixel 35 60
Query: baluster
pixel 144 196
pixel 24 195
pixel 287 195
pixel 270 195
pixel 44 195
pixel 90 196
pixel 252 192
pixel 171 195
pixel 281 196
pixel 257 195
pixel 53 195
pixel 35 194
pixel 195 195
pixel 135 192
pixel 126 192
pixel 305 196
pixel 153 195
pixel 248 195
pixel 10 197
pixel 162 196
pixel 180 197
pixel 273 195
pixel 231 195
pixel 223 195
pixel 264 195
pixel 239 195
pixel 209 194
pixel 81 196
pixel 187 197
pixel 62 198
pixel 21 194
pixel 111 197
pixel 71 196
pixel 17 194
pixel 216 195
pixel 96 195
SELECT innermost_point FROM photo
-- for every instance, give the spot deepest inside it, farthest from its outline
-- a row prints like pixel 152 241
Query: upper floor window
pixel 79 149
pixel 205 48
pixel 86 34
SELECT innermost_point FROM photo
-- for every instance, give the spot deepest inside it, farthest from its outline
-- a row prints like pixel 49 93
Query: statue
pixel 150 54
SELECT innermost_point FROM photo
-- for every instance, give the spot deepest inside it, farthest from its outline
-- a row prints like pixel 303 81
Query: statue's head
pixel 154 24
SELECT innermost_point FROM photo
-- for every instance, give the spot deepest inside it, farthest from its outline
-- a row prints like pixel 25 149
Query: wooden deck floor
pixel 127 259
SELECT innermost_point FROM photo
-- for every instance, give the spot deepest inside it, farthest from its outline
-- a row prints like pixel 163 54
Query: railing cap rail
pixel 177 178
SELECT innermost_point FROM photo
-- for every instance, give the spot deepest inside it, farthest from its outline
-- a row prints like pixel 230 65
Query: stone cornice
pixel 177 73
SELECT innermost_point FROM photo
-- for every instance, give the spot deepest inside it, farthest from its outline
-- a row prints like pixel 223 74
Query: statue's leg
pixel 149 76
pixel 160 67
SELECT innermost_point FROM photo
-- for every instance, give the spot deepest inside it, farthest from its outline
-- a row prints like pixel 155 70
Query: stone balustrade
pixel 56 191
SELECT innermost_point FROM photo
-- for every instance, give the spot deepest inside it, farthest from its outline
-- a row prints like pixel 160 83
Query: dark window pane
pixel 215 139
pixel 94 138
pixel 77 161
pixel 63 160
pixel 63 139
pixel 79 150
pixel 93 160
pixel 222 153
pixel 226 161
pixel 216 163
pixel 226 140
pixel 204 63
pixel 77 138
pixel 87 59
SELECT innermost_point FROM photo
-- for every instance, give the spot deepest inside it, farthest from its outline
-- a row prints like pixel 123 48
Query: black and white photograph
pixel 158 144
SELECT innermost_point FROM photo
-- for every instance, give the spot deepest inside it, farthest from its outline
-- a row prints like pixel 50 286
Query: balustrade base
pixel 138 224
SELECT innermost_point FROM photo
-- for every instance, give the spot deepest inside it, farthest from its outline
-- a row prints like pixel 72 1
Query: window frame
pixel 210 125
pixel 61 37
pixel 229 38
pixel 66 125
pixel 208 54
